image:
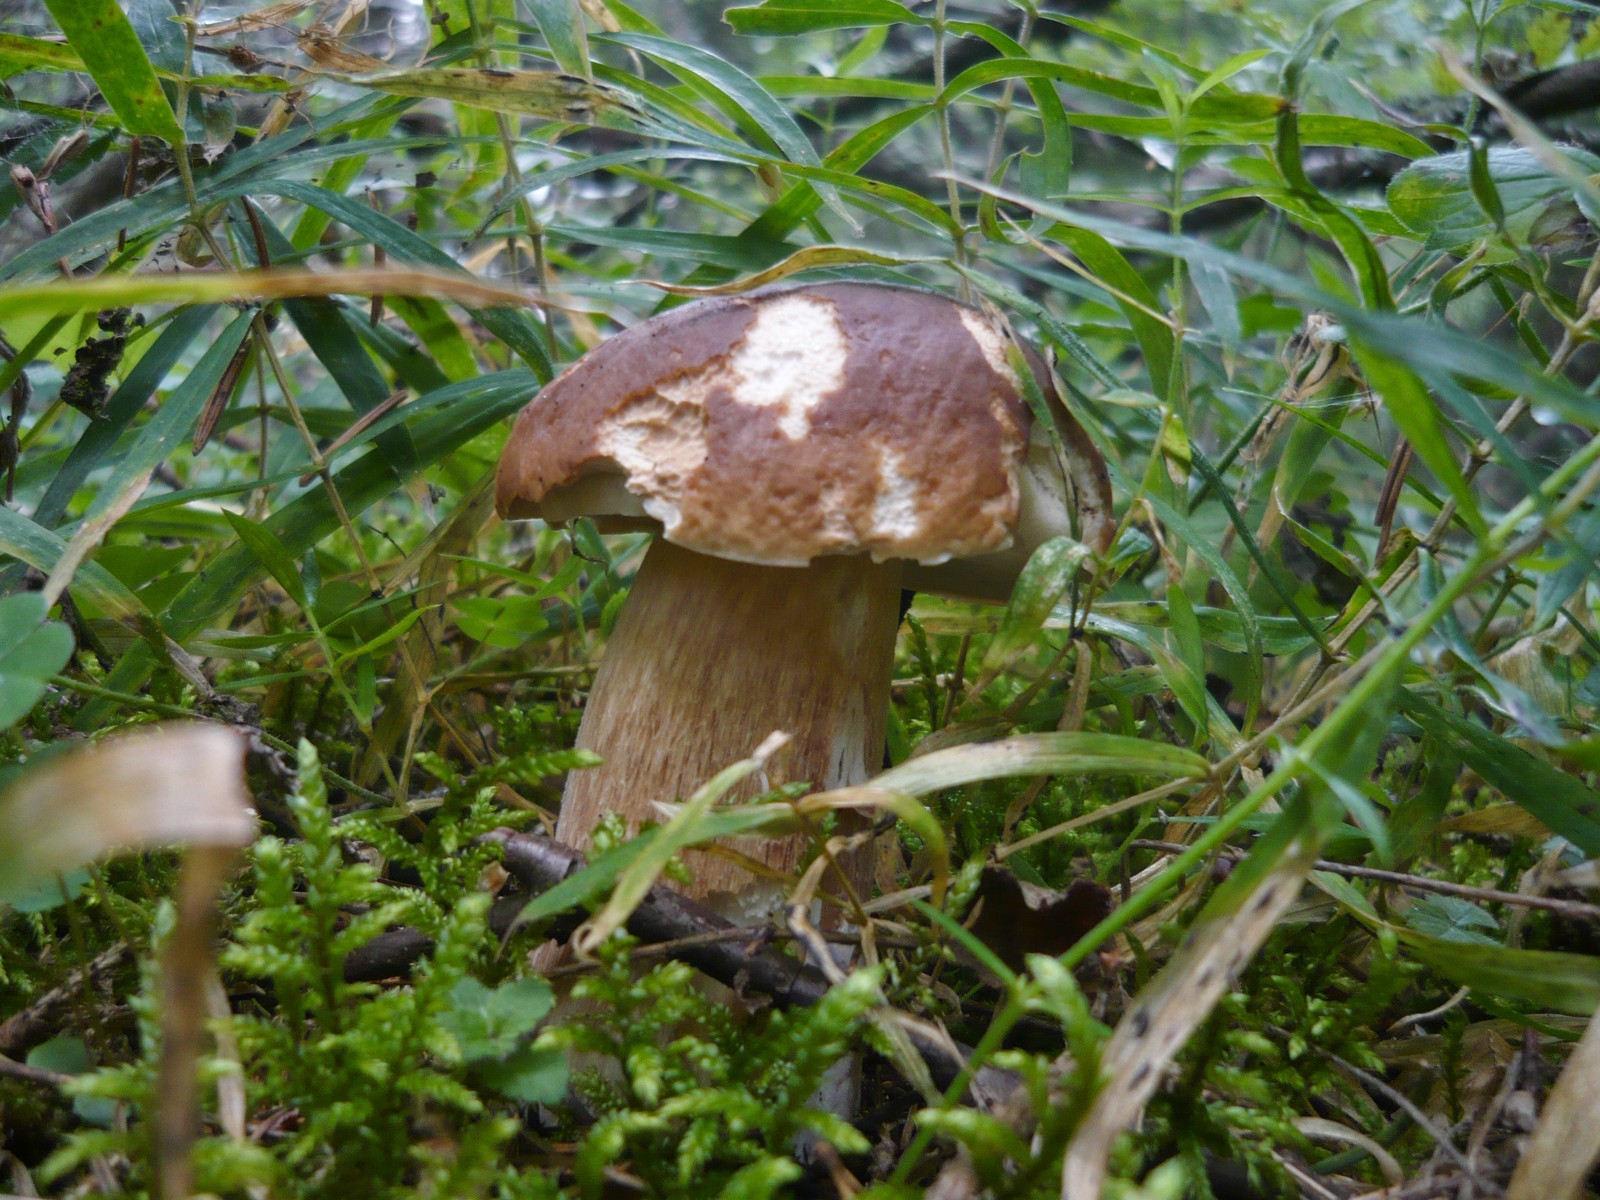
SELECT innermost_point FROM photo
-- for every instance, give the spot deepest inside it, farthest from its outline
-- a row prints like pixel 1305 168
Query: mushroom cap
pixel 799 421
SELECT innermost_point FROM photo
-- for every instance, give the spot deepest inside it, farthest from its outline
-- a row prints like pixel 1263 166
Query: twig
pixel 1404 1103
pixel 23 1029
pixel 1406 1022
pixel 12 1069
pixel 1575 909
pixel 748 964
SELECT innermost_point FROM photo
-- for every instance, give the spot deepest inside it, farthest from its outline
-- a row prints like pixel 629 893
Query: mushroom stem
pixel 709 657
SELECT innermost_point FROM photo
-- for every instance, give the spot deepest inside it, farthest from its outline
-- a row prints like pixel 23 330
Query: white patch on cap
pixel 894 507
pixel 991 342
pixel 660 445
pixel 792 357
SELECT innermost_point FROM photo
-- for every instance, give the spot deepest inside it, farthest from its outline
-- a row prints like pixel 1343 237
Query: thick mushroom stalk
pixel 709 657
pixel 794 450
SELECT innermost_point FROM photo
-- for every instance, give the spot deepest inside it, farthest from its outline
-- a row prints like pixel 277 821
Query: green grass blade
pixel 105 41
pixel 161 437
pixel 561 22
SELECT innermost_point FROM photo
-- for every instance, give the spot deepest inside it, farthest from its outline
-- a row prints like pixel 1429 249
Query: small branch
pixel 665 916
pixel 1577 910
pixel 1403 1102
pixel 12 1069
pixel 706 940
pixel 24 1029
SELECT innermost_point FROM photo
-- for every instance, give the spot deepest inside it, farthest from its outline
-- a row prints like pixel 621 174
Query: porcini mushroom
pixel 802 452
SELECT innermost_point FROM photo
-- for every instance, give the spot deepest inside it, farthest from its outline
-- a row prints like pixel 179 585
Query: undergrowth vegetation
pixel 1255 856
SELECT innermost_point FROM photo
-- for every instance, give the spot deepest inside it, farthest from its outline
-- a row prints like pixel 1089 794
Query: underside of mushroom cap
pixel 795 422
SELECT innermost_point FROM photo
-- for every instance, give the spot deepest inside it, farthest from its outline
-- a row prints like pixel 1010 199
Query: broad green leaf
pixel 51 894
pixel 1216 107
pixel 105 41
pixel 242 83
pixel 1138 47
pixel 1550 979
pixel 790 86
pixel 70 1056
pixel 1316 129
pixel 1452 919
pixel 159 34
pixel 1219 626
pixel 1360 254
pixel 508 621
pixel 32 649
pixel 1435 196
pixel 489 1023
pixel 780 18
pixel 1228 70
pixel 527 1075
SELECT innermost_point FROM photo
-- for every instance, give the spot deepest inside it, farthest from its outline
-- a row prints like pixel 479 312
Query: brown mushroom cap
pixel 794 422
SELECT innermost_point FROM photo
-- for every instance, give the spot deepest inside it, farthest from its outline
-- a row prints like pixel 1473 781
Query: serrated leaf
pixel 489 1023
pixel 528 1076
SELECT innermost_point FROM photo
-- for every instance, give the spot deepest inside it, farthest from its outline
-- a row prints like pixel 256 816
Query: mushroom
pixel 802 453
